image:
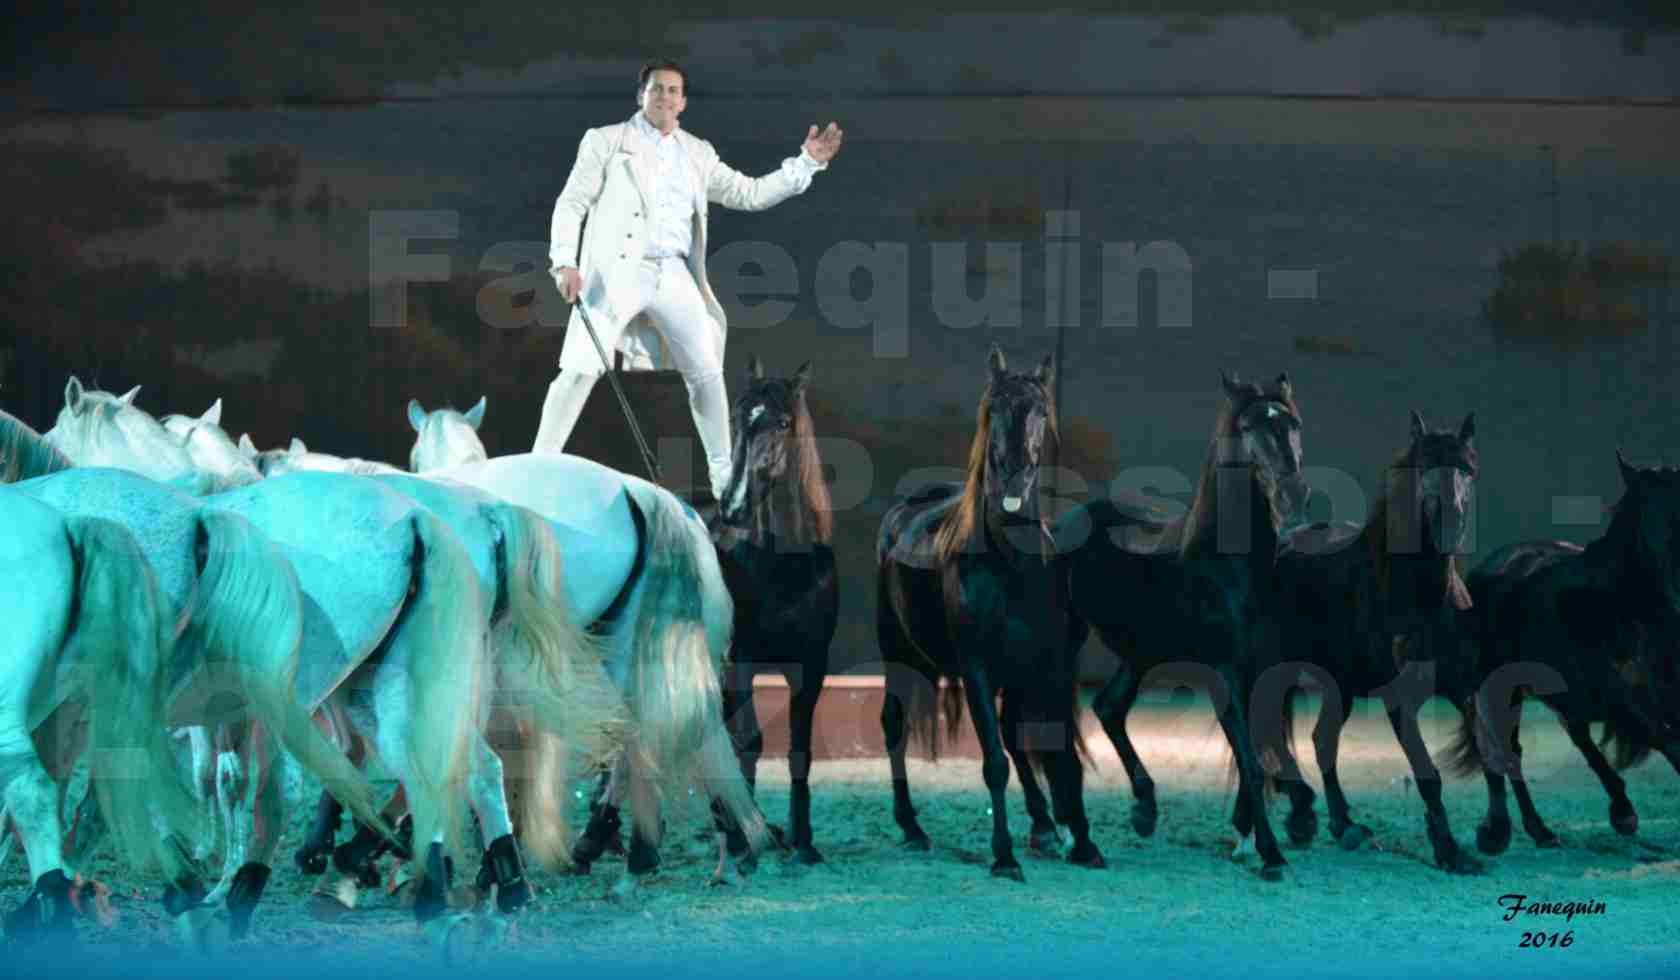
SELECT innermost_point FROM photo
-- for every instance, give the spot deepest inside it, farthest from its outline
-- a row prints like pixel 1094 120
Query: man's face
pixel 663 98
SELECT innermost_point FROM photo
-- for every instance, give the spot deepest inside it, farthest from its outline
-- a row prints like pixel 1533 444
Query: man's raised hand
pixel 824 145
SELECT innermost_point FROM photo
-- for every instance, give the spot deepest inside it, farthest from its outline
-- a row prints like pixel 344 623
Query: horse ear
pixel 213 414
pixel 1629 474
pixel 802 377
pixel 475 415
pixel 128 398
pixel 755 369
pixel 73 393
pixel 1467 431
pixel 416 414
pixel 246 446
pixel 1229 381
pixel 1043 373
pixel 297 446
pixel 998 364
pixel 1284 388
pixel 1418 428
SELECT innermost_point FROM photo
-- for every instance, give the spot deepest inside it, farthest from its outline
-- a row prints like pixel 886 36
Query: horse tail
pixel 441 636
pixel 1628 741
pixel 552 671
pixel 919 695
pixel 126 636
pixel 248 609
pixel 680 631
pixel 1462 754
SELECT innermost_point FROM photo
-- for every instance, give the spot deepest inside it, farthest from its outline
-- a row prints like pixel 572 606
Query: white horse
pixel 550 684
pixel 393 634
pixel 86 632
pixel 655 593
pixel 445 434
pixel 242 615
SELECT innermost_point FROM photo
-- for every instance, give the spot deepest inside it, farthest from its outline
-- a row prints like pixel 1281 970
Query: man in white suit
pixel 645 185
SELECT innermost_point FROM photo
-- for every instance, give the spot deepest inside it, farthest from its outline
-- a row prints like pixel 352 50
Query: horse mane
pixel 963 523
pixel 1201 517
pixel 815 510
pixel 24 454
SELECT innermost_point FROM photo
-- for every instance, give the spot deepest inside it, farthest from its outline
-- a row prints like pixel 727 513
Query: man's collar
pixel 648 129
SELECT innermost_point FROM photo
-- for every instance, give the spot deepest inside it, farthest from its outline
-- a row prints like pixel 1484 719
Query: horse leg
pixel 642 860
pixel 319 841
pixel 266 822
pixel 1251 776
pixel 1622 815
pixel 1042 838
pixel 741 720
pixel 1448 855
pixel 995 770
pixel 1327 744
pixel 601 835
pixel 204 783
pixel 31 797
pixel 1112 704
pixel 1067 792
pixel 893 730
pixel 801 720
pixel 501 866
pixel 1532 822
pixel 233 751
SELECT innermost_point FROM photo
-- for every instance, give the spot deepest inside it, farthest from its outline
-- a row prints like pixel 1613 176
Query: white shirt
pixel 673 201
pixel 673 194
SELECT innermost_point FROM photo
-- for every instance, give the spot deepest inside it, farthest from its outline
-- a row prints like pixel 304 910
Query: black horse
pixel 1183 598
pixel 1592 632
pixel 968 594
pixel 772 536
pixel 1377 611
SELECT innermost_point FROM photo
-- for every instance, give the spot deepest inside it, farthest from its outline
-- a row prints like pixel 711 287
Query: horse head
pixel 445 437
pixel 1016 417
pixel 1647 519
pixel 1264 429
pixel 768 420
pixel 96 428
pixel 1441 466
pixel 210 448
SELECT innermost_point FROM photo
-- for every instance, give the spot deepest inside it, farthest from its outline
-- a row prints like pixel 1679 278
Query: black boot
pixel 45 915
pixel 503 868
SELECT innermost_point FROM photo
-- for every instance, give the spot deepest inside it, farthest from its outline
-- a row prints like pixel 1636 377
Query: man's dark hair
pixel 662 65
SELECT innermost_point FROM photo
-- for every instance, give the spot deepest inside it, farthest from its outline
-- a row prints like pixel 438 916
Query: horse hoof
pixel 1272 872
pixel 512 898
pixel 778 836
pixel 578 868
pixel 1354 837
pixel 917 841
pixel 327 908
pixel 805 854
pixel 1012 871
pixel 1244 849
pixel 1493 838
pixel 1302 827
pixel 1547 841
pixel 451 936
pixel 204 930
pixel 1045 843
pixel 1143 820
pixel 1458 863
pixel 1626 821
pixel 725 878
pixel 1087 856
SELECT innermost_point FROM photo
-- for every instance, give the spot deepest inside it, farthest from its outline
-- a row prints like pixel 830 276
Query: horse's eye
pixel 784 424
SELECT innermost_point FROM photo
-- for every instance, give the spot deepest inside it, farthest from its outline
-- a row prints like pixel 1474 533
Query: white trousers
pixel 672 302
